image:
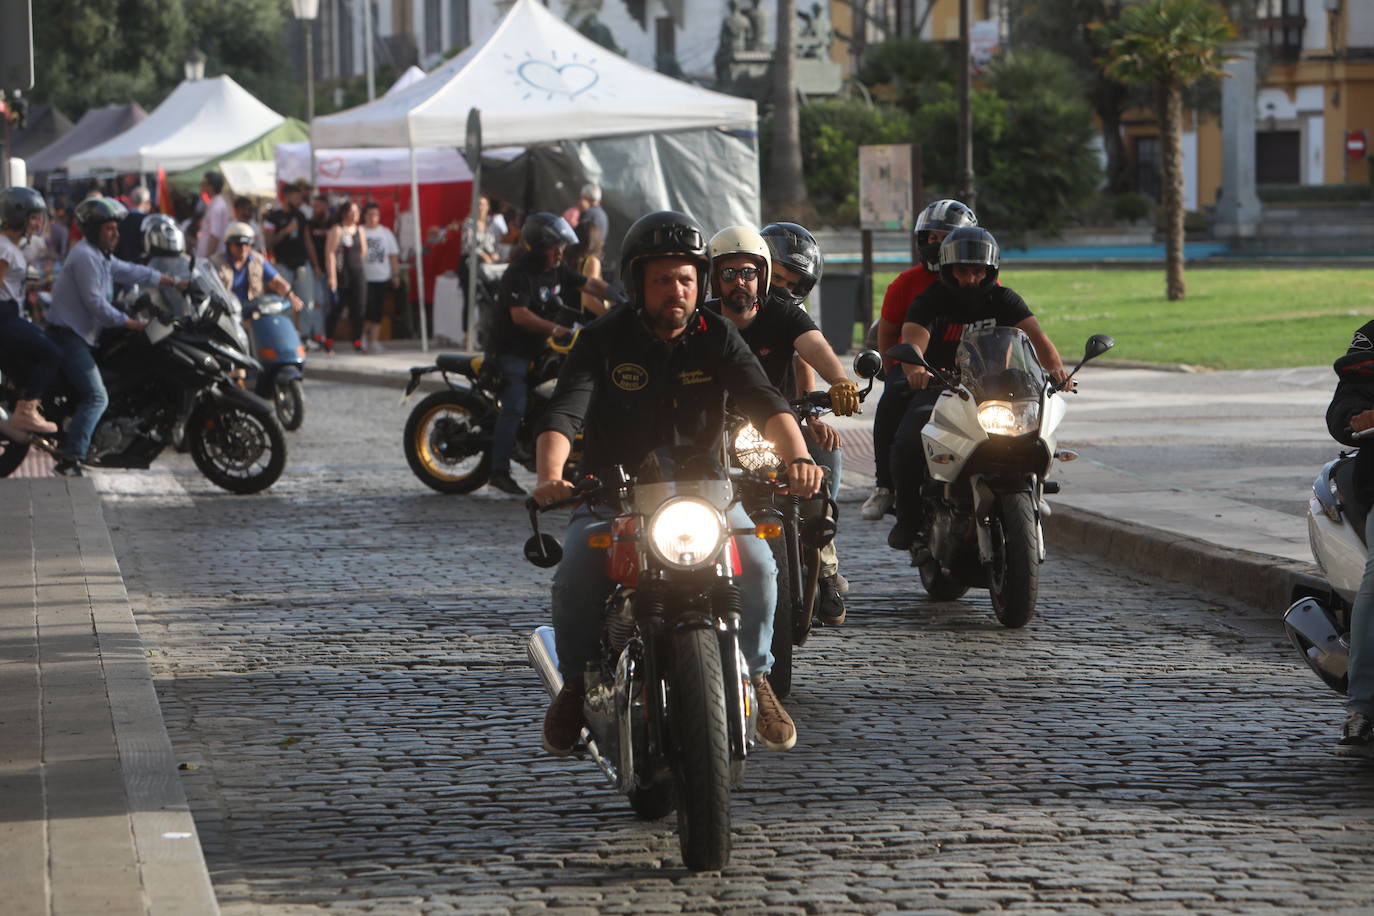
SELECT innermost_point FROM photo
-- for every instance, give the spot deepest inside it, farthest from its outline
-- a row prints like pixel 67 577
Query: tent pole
pixel 419 248
pixel 470 333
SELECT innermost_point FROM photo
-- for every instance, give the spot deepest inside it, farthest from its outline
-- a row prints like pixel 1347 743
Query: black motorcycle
pixel 806 526
pixel 448 436
pixel 165 377
pixel 669 705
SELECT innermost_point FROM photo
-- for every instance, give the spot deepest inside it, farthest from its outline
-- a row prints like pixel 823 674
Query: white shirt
pixel 381 245
pixel 215 223
pixel 17 266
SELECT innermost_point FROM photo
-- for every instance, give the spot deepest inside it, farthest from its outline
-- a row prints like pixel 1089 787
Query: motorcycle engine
pixel 115 435
pixel 620 621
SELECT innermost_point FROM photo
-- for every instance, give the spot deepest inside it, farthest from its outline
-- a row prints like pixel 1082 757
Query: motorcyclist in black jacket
pixel 653 375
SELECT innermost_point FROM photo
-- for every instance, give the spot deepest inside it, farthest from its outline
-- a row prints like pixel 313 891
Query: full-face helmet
pixel 162 236
pixel 972 246
pixel 940 216
pixel 663 234
pixel 795 248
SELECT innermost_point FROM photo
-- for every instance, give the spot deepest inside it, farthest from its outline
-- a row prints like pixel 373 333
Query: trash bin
pixel 844 301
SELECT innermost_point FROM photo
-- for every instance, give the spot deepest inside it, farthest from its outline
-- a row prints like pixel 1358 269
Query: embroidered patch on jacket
pixel 630 376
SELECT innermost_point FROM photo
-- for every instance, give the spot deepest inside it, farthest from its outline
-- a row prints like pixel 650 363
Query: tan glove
pixel 844 398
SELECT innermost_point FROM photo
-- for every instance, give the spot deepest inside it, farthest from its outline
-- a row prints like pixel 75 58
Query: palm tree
pixel 1168 45
pixel 784 187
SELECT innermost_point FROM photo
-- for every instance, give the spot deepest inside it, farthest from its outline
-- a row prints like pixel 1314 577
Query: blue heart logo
pixel 570 79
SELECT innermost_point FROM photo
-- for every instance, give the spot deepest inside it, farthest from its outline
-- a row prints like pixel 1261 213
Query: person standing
pixel 319 223
pixel 130 247
pixel 286 238
pixel 344 252
pixel 23 348
pixel 382 270
pixel 210 237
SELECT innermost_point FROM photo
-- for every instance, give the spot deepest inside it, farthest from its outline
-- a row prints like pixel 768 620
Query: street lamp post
pixel 305 12
pixel 194 65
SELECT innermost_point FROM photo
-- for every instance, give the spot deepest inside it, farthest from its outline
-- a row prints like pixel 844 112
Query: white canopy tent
pixel 198 121
pixel 364 167
pixel 537 80
pixel 412 75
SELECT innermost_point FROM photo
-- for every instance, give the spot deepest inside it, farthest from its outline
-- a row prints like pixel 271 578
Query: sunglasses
pixel 728 274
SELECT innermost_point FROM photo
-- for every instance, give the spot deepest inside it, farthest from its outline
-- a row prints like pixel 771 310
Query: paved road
pixel 341 670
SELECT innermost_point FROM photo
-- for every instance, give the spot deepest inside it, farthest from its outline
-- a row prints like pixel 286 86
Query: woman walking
pixel 344 251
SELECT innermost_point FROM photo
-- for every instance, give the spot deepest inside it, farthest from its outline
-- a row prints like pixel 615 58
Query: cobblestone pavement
pixel 341 667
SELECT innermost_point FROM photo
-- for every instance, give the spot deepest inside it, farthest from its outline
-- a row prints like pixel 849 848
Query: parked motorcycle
pixel 669 707
pixel 164 377
pixel 989 449
pixel 278 347
pixel 807 526
pixel 448 436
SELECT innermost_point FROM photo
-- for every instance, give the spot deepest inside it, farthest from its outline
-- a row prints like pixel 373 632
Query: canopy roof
pixel 412 76
pixel 199 120
pixel 47 125
pixel 536 79
pixel 258 155
pixel 96 126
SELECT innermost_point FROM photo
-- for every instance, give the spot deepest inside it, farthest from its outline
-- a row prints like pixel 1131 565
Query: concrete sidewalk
pixel 1197 477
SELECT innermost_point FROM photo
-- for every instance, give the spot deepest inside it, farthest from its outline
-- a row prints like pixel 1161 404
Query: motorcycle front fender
pixel 226 395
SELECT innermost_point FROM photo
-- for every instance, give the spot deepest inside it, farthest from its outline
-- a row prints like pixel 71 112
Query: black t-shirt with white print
pixel 950 318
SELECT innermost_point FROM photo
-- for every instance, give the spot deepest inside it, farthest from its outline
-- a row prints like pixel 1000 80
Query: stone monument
pixel 1238 210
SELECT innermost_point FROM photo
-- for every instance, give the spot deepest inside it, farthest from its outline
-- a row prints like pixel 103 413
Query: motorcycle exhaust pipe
pixel 544 659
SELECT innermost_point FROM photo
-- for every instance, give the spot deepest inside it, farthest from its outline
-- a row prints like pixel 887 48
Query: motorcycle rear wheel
pixel 289 399
pixel 701 768
pixel 239 451
pixel 439 415
pixel 1014 591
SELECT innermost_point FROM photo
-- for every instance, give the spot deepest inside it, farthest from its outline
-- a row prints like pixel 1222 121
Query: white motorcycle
pixel 989 447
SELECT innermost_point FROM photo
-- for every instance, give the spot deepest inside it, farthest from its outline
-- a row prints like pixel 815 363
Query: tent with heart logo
pixel 585 114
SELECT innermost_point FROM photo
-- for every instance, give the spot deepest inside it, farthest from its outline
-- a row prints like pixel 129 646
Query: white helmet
pixel 240 232
pixel 740 240
pixel 161 235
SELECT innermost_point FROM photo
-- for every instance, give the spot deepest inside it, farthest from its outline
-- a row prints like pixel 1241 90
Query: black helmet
pixel 941 216
pixel 92 214
pixel 17 204
pixel 664 234
pixel 796 249
pixel 970 245
pixel 544 230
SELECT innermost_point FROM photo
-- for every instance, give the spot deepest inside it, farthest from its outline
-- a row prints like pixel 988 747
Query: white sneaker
pixel 877 504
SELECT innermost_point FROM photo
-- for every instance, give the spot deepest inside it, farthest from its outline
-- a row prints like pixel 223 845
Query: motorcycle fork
pixel 792 544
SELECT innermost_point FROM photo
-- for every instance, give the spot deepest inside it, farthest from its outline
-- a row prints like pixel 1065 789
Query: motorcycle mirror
pixel 543 550
pixel 868 364
pixel 1096 346
pixel 906 353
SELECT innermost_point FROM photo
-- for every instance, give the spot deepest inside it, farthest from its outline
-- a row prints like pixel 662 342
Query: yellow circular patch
pixel 630 376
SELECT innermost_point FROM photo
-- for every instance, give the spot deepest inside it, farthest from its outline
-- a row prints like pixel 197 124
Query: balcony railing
pixel 1282 36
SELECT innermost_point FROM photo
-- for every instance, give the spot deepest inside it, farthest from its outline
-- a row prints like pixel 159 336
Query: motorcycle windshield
pixel 999 364
pixel 207 275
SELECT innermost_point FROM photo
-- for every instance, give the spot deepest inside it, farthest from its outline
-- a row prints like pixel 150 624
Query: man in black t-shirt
pixel 967 300
pixel 531 307
pixel 286 237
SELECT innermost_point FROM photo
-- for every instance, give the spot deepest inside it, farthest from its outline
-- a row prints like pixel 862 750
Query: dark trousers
pixel 27 352
pixel 886 418
pixel 351 296
pixel 909 459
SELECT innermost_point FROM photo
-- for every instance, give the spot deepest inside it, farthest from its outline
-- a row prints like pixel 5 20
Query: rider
pixel 776 329
pixel 23 346
pixel 531 298
pixel 968 299
pixel 1352 411
pixel 650 375
pixel 81 309
pixel 245 271
pixel 935 222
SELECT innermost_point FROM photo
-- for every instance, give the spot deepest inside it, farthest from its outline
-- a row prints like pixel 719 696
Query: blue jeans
pixel 833 461
pixel 515 393
pixel 581 586
pixel 78 365
pixel 1360 695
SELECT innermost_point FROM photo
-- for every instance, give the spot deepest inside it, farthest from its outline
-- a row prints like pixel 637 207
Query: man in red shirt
pixel 935 222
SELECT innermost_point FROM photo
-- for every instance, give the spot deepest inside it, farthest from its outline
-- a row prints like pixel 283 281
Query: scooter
pixel 282 354
pixel 989 447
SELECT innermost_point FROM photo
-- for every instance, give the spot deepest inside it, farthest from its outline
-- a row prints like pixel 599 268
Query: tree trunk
pixel 784 188
pixel 1108 100
pixel 1171 98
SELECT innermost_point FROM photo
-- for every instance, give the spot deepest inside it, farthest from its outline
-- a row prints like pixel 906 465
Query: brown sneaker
pixel 563 722
pixel 829 604
pixel 775 727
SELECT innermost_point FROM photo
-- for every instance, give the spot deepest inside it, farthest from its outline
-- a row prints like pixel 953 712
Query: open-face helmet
pixel 740 240
pixel 973 246
pixel 95 212
pixel 241 232
pixel 17 204
pixel 940 216
pixel 663 234
pixel 543 231
pixel 795 248
pixel 162 236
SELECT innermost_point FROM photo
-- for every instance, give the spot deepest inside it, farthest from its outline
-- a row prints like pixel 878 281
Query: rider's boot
pixel 563 723
pixel 775 727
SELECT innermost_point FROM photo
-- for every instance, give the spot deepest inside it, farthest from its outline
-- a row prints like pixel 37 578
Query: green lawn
pixel 1231 318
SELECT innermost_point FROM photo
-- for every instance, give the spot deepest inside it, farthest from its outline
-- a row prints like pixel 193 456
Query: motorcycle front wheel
pixel 289 399
pixel 701 770
pixel 780 677
pixel 1017 582
pixel 434 444
pixel 240 451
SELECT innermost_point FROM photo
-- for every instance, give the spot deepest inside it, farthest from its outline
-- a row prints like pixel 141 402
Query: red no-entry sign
pixel 1356 144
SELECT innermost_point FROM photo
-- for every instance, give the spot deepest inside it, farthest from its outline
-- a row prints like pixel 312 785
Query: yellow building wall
pixel 1208 160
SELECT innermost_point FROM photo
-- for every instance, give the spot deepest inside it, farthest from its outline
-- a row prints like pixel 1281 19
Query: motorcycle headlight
pixel 686 533
pixel 1008 418
pixel 753 452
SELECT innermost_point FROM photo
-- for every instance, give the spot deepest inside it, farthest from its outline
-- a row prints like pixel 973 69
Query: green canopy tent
pixel 251 169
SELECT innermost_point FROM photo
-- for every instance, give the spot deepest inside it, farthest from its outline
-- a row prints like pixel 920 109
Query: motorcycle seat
pixel 463 365
pixel 1356 510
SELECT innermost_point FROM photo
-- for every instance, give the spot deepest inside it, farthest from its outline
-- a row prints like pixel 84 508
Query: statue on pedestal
pixel 758 28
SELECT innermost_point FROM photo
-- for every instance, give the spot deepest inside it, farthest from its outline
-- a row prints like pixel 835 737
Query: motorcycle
pixel 989 449
pixel 669 707
pixel 807 526
pixel 166 377
pixel 448 435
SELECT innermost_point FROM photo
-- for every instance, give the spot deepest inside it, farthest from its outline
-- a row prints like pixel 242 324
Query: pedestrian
pixel 318 225
pixel 286 236
pixel 344 252
pixel 130 247
pixel 246 213
pixel 382 270
pixel 24 350
pixel 210 234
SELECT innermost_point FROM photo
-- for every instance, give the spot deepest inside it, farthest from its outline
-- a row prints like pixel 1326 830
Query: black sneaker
pixel 1357 736
pixel 67 467
pixel 900 537
pixel 829 604
pixel 502 481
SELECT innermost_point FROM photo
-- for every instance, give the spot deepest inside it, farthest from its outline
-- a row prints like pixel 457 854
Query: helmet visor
pixel 968 251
